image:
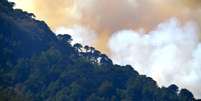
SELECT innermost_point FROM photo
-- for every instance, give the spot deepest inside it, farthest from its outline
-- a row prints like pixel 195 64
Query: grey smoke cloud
pixel 170 53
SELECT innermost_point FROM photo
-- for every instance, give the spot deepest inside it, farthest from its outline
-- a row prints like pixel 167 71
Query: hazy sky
pixel 160 38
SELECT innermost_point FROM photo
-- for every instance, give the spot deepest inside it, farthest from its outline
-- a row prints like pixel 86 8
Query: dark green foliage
pixel 78 47
pixel 173 88
pixel 64 38
pixel 186 95
pixel 36 65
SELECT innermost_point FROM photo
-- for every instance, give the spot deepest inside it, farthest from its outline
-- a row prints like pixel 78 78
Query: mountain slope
pixel 36 65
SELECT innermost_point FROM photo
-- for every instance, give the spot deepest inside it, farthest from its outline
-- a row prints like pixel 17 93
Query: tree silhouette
pixel 96 55
pixel 173 88
pixel 186 95
pixel 92 49
pixel 86 48
pixel 65 38
pixel 11 4
pixel 105 59
pixel 78 47
pixel 31 15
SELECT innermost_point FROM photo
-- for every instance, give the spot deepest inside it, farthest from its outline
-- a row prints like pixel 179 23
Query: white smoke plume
pixel 169 54
pixel 79 34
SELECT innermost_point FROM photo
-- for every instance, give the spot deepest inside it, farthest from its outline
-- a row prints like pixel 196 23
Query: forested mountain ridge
pixel 37 65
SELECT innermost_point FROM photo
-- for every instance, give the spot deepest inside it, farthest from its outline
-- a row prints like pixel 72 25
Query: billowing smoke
pixel 106 17
pixel 170 53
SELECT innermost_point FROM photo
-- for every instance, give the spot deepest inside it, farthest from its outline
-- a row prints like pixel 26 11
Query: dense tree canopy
pixel 37 65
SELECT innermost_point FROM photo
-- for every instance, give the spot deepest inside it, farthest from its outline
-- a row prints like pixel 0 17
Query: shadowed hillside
pixel 37 65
